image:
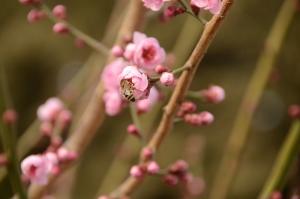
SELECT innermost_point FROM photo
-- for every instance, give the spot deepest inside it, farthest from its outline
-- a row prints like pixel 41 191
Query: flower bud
pixel 60 11
pixel 60 28
pixel 137 172
pixel 167 79
pixel 153 168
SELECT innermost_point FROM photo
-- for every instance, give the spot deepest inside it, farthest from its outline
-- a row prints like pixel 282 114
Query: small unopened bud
pixel 133 130
pixel 56 170
pixel 34 15
pixel 60 11
pixel 65 155
pixel 294 111
pixel 171 180
pixel 10 116
pixel 199 119
pixel 137 172
pixel 179 168
pixel 60 28
pixel 147 153
pixel 65 117
pixel 186 107
pixel 153 167
pixel 214 94
pixel 167 79
pixel 117 51
pixel 160 69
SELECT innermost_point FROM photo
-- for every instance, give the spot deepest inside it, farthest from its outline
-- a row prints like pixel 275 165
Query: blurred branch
pixel 8 138
pixel 166 123
pixel 94 114
pixel 76 32
pixel 238 137
pixel 287 154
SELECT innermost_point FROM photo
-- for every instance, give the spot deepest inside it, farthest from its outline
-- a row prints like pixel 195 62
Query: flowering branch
pixel 238 137
pixel 8 138
pixel 180 90
pixel 93 115
pixel 76 32
pixel 284 160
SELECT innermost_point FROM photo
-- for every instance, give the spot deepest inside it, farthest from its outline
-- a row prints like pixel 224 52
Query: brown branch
pixel 180 90
pixel 94 115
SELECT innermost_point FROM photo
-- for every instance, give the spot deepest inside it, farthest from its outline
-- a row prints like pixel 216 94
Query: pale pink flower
pixel 129 51
pixel 148 53
pixel 167 79
pixel 111 73
pixel 137 80
pixel 154 5
pixel 50 110
pixel 146 104
pixel 214 94
pixel 214 6
pixel 113 102
pixel 37 168
pixel 60 11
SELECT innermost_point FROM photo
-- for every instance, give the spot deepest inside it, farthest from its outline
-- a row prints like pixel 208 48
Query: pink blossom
pixel 153 167
pixel 214 6
pixel 148 52
pixel 60 28
pixel 133 130
pixel 113 102
pixel 137 172
pixel 186 107
pixel 160 69
pixel 146 104
pixel 64 155
pixel 137 82
pixel 129 51
pixel 147 153
pixel 154 5
pixel 167 79
pixel 111 73
pixel 171 179
pixel 50 110
pixel 60 11
pixel 214 94
pixel 37 168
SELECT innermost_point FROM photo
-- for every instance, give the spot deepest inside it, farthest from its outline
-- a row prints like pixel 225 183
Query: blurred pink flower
pixel 154 5
pixel 135 81
pixel 60 28
pixel 37 168
pixel 111 73
pixel 34 15
pixel 137 172
pixel 153 168
pixel 113 102
pixel 48 111
pixel 117 51
pixel 214 6
pixel 146 104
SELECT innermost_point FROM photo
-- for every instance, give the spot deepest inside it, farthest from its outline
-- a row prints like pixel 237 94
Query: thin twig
pixel 76 32
pixel 240 132
pixel 93 115
pixel 166 123
pixel 284 160
pixel 8 138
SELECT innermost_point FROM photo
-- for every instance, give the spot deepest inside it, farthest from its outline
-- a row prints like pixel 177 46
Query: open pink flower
pixel 146 104
pixel 145 52
pixel 50 110
pixel 214 6
pixel 37 168
pixel 134 83
pixel 154 5
pixel 113 102
pixel 111 73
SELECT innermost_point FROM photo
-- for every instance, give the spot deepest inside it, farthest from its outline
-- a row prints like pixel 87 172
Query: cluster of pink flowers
pixel 128 77
pixel 37 168
pixel 212 6
pixel 52 113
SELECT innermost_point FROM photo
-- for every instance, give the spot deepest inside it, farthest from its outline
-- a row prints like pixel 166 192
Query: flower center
pixel 148 53
pixel 32 170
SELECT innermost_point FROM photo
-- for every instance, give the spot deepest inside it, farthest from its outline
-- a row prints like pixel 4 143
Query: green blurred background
pixel 39 63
